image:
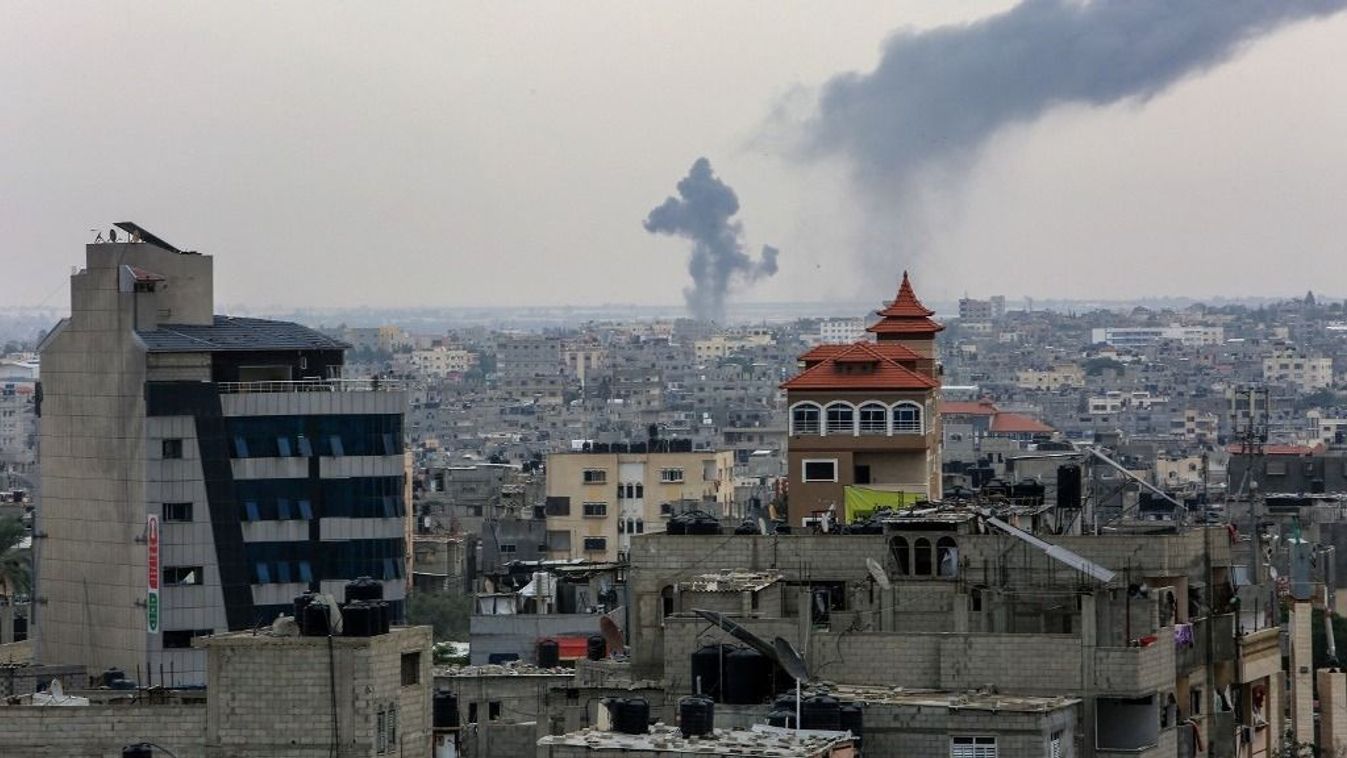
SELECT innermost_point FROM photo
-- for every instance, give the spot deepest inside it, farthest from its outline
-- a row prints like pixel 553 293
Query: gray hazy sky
pixel 507 152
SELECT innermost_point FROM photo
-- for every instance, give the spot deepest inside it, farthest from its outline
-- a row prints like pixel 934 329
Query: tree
pixel 16 570
pixel 447 613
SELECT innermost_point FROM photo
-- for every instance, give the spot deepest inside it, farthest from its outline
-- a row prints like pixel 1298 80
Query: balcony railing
pixel 314 385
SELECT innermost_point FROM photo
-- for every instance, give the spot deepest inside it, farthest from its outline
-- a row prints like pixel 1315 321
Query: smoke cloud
pixel 911 129
pixel 704 213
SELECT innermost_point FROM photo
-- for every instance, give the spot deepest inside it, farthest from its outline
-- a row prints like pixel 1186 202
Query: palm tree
pixel 16 571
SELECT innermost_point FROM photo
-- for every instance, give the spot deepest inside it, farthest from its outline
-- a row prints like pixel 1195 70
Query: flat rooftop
pixel 759 742
pixel 502 669
pixel 977 700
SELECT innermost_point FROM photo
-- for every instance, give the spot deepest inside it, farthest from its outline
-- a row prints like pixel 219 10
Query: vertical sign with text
pixel 152 575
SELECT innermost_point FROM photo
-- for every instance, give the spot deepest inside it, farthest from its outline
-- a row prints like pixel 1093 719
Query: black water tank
pixel 1068 486
pixel 748 677
pixel 781 528
pixel 112 676
pixel 704 524
pixel 706 662
pixel 631 715
pixel 782 718
pixel 853 718
pixel 549 654
pixel 141 750
pixel 696 715
pixel 595 648
pixel 364 588
pixel 445 710
pixel 300 603
pixel 676 525
pixel 821 712
pixel 358 619
pixel 382 616
pixel 315 623
pixel 747 527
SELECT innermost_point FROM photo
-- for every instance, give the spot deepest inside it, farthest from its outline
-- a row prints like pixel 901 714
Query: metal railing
pixel 314 385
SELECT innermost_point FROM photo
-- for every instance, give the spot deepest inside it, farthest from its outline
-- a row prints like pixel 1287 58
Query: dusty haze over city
pixel 485 154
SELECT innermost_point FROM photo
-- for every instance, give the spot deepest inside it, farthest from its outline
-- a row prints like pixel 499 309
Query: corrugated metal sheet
pixel 1056 552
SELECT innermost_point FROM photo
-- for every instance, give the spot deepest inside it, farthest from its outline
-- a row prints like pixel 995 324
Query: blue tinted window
pixel 282 509
pixel 305 510
pixel 305 572
pixel 262 574
pixel 283 572
pixel 283 447
pixel 250 511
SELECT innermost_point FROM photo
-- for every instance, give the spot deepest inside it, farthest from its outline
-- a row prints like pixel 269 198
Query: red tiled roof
pixel 905 315
pixel 977 408
pixel 891 350
pixel 1018 423
pixel 887 374
pixel 906 305
pixel 912 326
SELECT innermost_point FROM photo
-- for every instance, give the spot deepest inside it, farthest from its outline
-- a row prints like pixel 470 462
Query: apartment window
pixel 594 476
pixel 820 470
pixel 172 448
pixel 506 548
pixel 841 419
pixel 182 575
pixel 492 710
pixel 666 509
pixel 972 747
pixel 907 418
pixel 177 512
pixel 596 510
pixel 596 544
pixel 177 639
pixel 640 526
pixel 671 475
pixel 411 669
pixel 874 419
pixel 804 419
pixel 558 540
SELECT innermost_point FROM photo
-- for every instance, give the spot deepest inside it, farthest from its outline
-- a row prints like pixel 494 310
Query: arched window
pixel 907 418
pixel 841 419
pixel 902 555
pixel 946 557
pixel 804 419
pixel 921 557
pixel 874 419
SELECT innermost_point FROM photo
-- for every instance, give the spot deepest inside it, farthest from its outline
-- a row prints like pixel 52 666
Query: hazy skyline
pixel 489 154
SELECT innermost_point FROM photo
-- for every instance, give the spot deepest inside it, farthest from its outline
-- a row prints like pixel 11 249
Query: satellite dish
pixel 789 659
pixel 739 633
pixel 877 573
pixel 612 636
pixel 1272 571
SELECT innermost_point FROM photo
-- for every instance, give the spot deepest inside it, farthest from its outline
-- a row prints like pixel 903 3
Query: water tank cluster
pixel 549 654
pixel 819 711
pixel 696 715
pixel 693 522
pixel 364 614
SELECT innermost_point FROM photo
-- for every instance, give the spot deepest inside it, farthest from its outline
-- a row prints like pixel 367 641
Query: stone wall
pixel 101 731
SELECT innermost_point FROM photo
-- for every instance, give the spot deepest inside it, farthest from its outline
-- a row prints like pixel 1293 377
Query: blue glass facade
pixel 306 436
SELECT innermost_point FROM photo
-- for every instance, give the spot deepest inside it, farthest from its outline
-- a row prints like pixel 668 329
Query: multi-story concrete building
pixel 1290 367
pixel 840 331
pixel 596 501
pixel 865 414
pixel 442 361
pixel 1059 377
pixel 18 420
pixel 200 471
pixel 1144 336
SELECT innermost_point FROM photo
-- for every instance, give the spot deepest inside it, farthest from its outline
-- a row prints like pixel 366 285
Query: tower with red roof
pixel 864 415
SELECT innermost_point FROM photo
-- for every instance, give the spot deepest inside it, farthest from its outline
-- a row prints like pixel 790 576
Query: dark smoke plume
pixel 918 121
pixel 703 213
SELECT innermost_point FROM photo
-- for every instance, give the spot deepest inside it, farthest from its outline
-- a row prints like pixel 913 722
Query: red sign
pixel 152 564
